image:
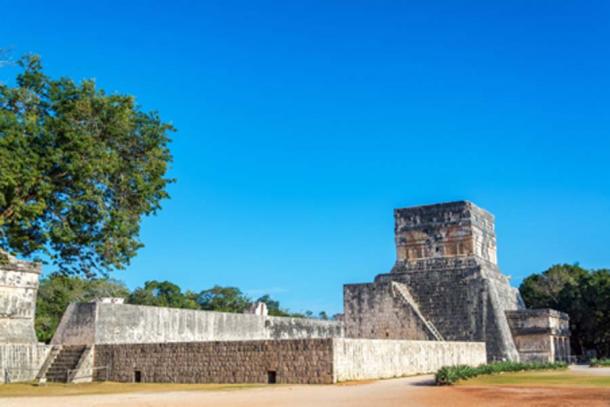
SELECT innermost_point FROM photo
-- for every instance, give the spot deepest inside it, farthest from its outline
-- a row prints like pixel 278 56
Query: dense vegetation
pixel 79 168
pixel 600 362
pixel 57 291
pixel 584 295
pixel 453 374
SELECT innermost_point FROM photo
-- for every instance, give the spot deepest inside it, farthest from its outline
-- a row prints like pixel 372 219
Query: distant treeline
pixel 57 291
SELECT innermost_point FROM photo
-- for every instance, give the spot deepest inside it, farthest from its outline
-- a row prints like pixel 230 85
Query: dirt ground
pixel 412 392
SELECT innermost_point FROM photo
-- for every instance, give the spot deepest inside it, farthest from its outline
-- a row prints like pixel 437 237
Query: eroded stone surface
pixel 20 353
pixel 540 334
pixel 306 361
pixel 18 288
pixel 102 323
pixel 446 257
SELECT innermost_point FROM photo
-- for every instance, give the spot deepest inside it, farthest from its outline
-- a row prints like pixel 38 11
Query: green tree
pixel 163 294
pixel 57 291
pixel 79 168
pixel 223 299
pixel 596 296
pixel 584 295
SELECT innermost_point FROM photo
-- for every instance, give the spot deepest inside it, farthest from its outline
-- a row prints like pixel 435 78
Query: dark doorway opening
pixel 271 377
pixel 137 376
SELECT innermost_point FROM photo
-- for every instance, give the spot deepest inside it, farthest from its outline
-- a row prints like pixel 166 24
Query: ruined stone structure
pixel 540 334
pixel 445 284
pixel 121 342
pixel 20 353
pixel 445 302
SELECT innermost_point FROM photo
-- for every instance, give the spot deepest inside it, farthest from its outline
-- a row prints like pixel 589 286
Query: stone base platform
pixel 299 361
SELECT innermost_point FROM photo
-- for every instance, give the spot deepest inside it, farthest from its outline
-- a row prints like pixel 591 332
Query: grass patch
pixel 561 378
pixel 453 374
pixel 62 389
pixel 600 363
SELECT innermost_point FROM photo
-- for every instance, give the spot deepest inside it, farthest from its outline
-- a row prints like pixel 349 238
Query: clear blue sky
pixel 302 124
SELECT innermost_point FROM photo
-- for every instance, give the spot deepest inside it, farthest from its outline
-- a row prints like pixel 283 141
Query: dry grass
pixel 61 389
pixel 544 378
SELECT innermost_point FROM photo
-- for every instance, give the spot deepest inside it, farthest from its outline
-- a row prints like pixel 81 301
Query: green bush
pixel 600 362
pixel 451 374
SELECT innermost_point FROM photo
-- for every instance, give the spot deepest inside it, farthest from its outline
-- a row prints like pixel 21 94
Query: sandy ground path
pixel 585 369
pixel 412 392
pixel 393 392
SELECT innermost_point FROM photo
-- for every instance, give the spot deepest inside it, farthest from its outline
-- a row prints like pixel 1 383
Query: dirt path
pixel 381 393
pixel 585 369
pixel 411 392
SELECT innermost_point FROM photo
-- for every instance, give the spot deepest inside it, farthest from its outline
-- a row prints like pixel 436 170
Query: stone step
pixel 65 361
pixel 70 353
pixel 59 369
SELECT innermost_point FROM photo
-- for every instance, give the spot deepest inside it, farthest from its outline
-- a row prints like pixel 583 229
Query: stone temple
pixel 444 302
pixel 446 285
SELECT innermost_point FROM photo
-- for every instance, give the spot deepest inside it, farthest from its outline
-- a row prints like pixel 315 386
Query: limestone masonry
pixel 103 323
pixel 444 302
pixel 20 354
pixel 304 361
pixel 18 288
pixel 540 334
pixel 445 284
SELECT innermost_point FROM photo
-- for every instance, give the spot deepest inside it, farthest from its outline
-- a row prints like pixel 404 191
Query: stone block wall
pixel 304 361
pixel 18 288
pixel 20 353
pixel 104 323
pixel 464 299
pixel 454 229
pixel 541 334
pixel 361 359
pixel 297 361
pixel 446 259
pixel 77 325
pixel 20 362
pixel 378 310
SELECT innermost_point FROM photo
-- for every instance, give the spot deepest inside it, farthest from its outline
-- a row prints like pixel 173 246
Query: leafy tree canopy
pixel 581 293
pixel 163 294
pixel 224 299
pixel 78 170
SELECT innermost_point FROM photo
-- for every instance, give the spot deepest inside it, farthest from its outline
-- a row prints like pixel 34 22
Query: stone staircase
pixel 66 360
pixel 403 292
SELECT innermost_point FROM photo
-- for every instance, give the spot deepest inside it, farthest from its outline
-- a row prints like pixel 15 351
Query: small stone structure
pixel 445 284
pixel 540 334
pixel 20 353
pixel 258 308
